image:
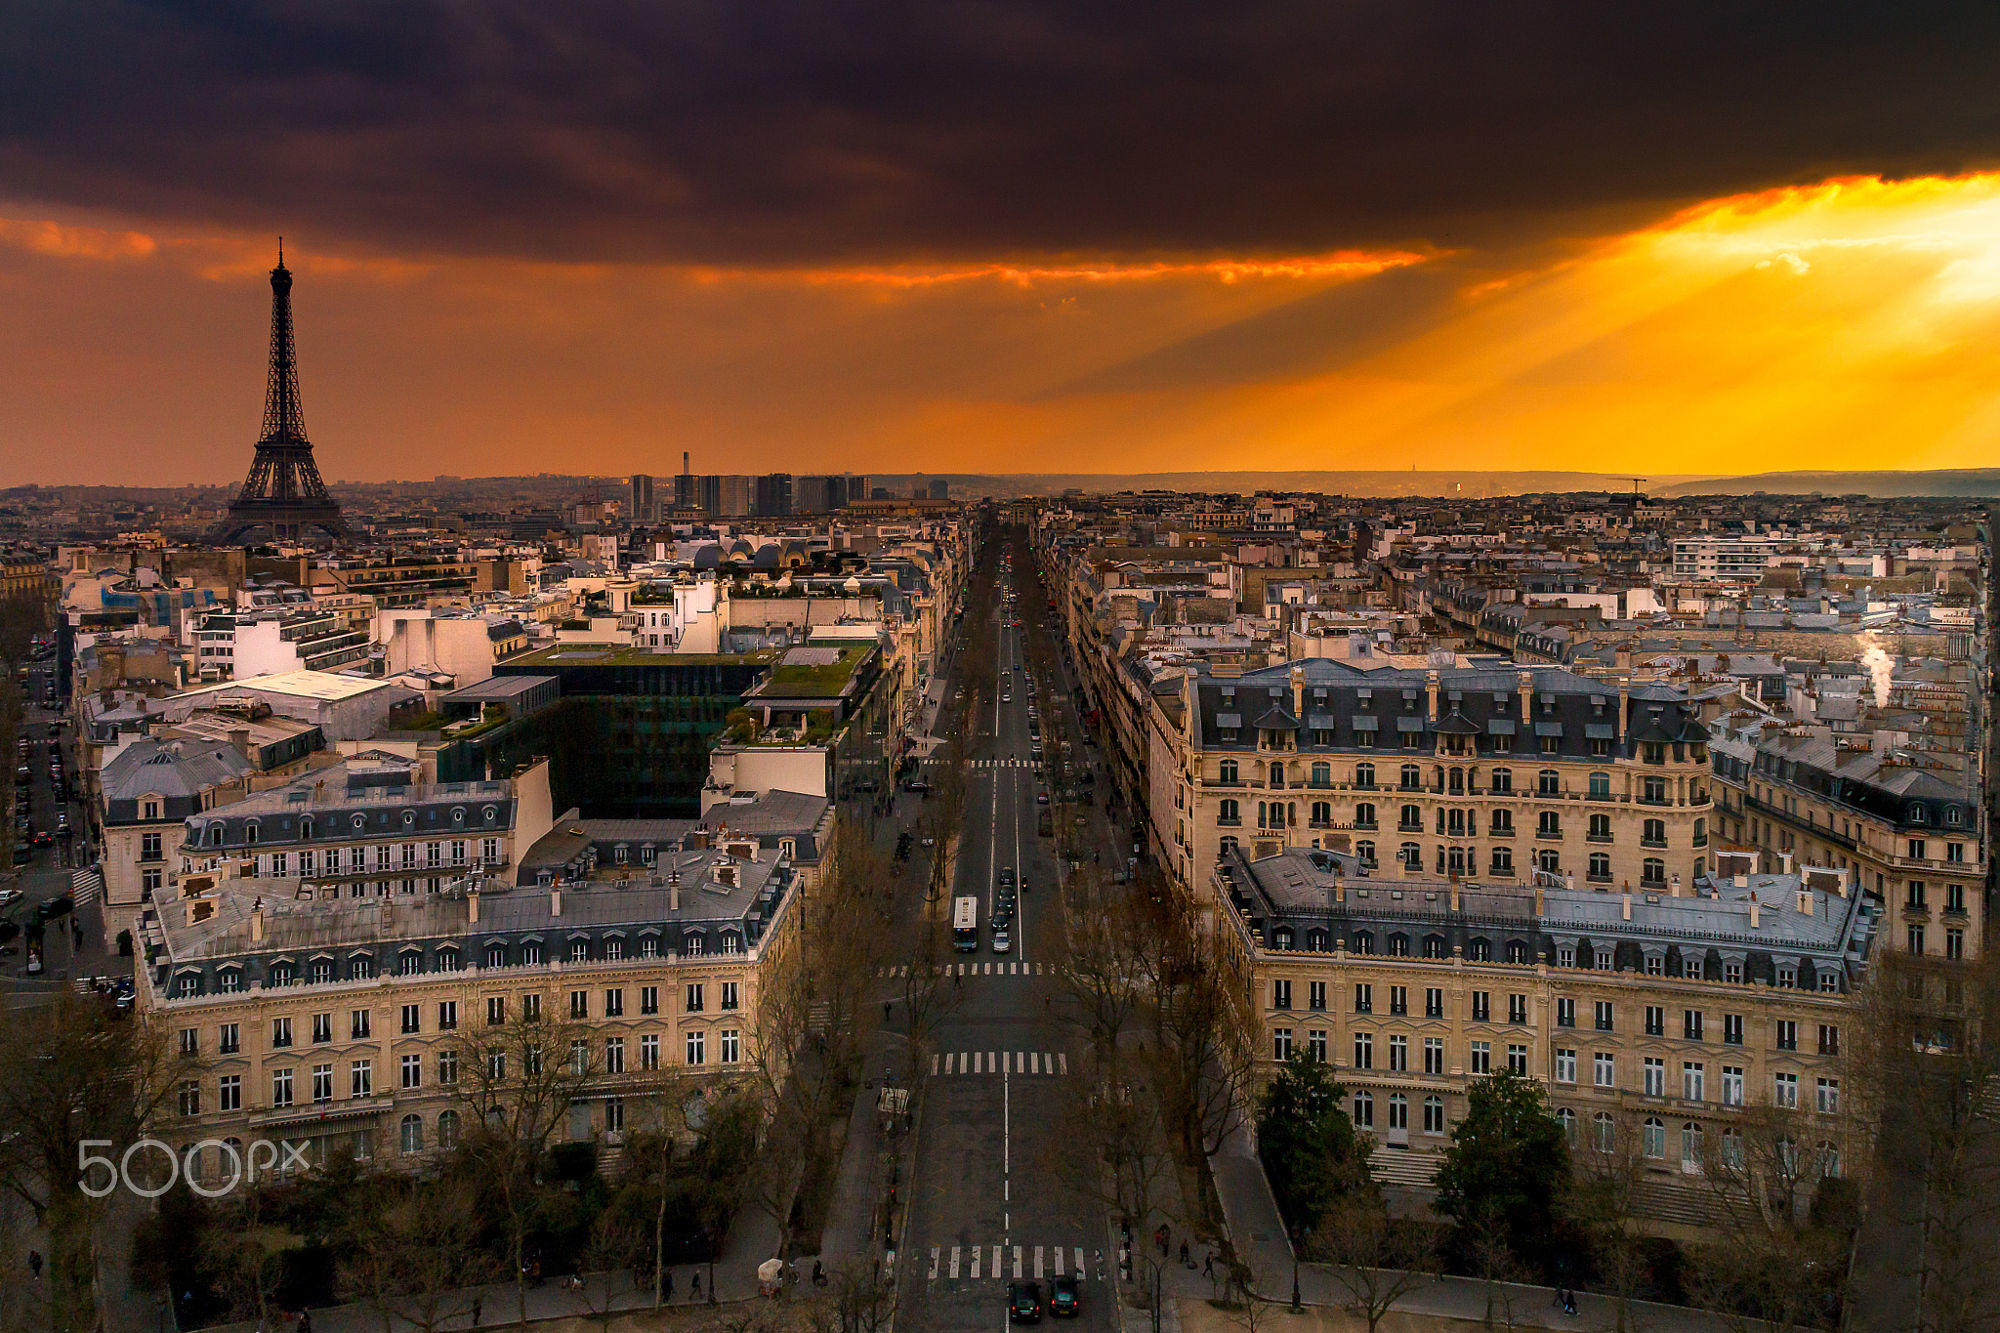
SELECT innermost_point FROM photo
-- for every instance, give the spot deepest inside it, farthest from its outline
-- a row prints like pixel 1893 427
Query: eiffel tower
pixel 283 493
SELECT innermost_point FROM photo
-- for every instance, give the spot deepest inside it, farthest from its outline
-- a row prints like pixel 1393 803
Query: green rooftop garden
pixel 618 654
pixel 800 680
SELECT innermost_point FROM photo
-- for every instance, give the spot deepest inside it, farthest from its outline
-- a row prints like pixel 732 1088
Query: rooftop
pixel 326 686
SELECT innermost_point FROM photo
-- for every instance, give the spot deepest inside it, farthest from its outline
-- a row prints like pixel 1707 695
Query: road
pixel 988 1205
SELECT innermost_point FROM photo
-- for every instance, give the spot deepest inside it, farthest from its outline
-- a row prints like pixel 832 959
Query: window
pixel 1829 1039
pixel 1364 998
pixel 727 998
pixel 1503 782
pixel 531 1008
pixel 1787 1031
pixel 1565 1013
pixel 190 1097
pixel 1655 1076
pixel 1653 872
pixel 579 1004
pixel 1433 1115
pixel 448 1068
pixel 281 1032
pixel 190 1041
pixel 614 1003
pixel 1399 1111
pixel 1229 772
pixel 1567 1118
pixel 322 1028
pixel 1654 1141
pixel 229 1092
pixel 1653 833
pixel 230 1039
pixel 1656 1021
pixel 1316 1046
pixel 1281 994
pixel 1604 1070
pixel 496 1010
pixel 1364 1110
pixel 1691 1024
pixel 1433 1055
pixel 411 1022
pixel 1482 1006
pixel 447 1129
pixel 1399 1054
pixel 361 1079
pixel 1827 1097
pixel 410 1133
pixel 447 1015
pixel 281 1087
pixel 614 1055
pixel 413 1071
pixel 1517 1058
pixel 1281 1044
pixel 1914 937
pixel 1565 1065
pixel 1433 1002
pixel 696 1047
pixel 1603 1012
pixel 1364 1051
pixel 1482 1057
pixel 1785 1090
pixel 649 1051
pixel 1229 812
pixel 1604 1130
pixel 1732 1029
pixel 322 1083
pixel 1549 824
pixel 1364 815
pixel 1732 1085
pixel 1692 1086
pixel 1600 786
pixel 1399 1000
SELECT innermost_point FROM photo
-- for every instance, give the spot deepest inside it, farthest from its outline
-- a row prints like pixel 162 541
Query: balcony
pixel 1604 838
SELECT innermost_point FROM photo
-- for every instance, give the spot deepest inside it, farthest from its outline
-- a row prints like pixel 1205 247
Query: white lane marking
pixel 975 1262
pixel 934 1263
pixel 1038 1261
pixel 1062 1063
pixel 1017 1262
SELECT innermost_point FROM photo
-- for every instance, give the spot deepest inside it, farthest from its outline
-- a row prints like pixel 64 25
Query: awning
pixel 1409 724
pixel 1599 731
pixel 1500 726
pixel 1367 722
pixel 1548 728
pixel 1229 719
pixel 1321 721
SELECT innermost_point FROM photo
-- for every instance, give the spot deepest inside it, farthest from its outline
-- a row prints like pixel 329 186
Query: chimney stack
pixel 1753 911
pixel 1625 907
pixel 1624 707
pixel 257 922
pixel 472 905
pixel 1431 693
pixel 1805 901
pixel 1526 686
pixel 555 900
pixel 673 890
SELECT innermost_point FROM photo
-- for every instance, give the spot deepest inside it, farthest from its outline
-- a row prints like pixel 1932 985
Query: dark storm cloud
pixel 735 131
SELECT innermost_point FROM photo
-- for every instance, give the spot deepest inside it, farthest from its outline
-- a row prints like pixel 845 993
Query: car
pixel 918 785
pixel 8 897
pixel 1066 1297
pixel 50 908
pixel 1024 1302
pixel 23 854
pixel 1042 796
pixel 1003 941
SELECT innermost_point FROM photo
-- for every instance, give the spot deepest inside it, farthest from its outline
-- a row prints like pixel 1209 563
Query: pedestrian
pixel 1186 1262
pixel 305 1321
pixel 667 1291
pixel 885 1011
pixel 819 1274
pixel 478 1309
pixel 694 1288
pixel 1208 1265
pixel 35 1263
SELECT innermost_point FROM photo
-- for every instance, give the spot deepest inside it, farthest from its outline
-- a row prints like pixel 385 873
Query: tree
pixel 417 1254
pixel 1771 1266
pixel 1507 1165
pixel 1101 964
pixel 855 1301
pixel 75 1072
pixel 515 1082
pixel 1116 1148
pixel 1376 1259
pixel 1309 1148
pixel 248 1257
pixel 1604 1200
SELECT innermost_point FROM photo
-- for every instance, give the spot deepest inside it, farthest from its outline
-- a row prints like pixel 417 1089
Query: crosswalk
pixel 85 885
pixel 1004 763
pixel 1012 1262
pixel 1027 1063
pixel 1013 969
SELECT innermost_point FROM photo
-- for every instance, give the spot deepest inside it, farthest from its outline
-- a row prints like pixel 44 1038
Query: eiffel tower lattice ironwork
pixel 284 493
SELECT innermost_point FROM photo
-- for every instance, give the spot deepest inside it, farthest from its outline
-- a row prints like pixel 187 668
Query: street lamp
pixel 1304 1236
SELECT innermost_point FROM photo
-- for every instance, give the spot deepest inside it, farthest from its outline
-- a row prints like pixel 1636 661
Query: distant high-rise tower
pixel 284 492
pixel 642 499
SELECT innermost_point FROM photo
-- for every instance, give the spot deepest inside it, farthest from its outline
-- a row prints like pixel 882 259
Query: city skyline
pixel 966 244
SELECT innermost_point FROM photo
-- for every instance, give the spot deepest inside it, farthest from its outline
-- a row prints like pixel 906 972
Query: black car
pixel 50 908
pixel 1066 1297
pixel 1024 1302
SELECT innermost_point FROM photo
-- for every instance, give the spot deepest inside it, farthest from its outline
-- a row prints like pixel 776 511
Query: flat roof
pixel 327 686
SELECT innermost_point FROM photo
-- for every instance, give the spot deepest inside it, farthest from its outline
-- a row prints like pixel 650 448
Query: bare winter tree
pixel 1604 1191
pixel 515 1082
pixel 1102 969
pixel 71 1071
pixel 1376 1260
pixel 417 1258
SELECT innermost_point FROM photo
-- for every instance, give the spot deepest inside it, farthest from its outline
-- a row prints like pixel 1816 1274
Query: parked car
pixel 1024 1302
pixel 51 908
pixel 1066 1297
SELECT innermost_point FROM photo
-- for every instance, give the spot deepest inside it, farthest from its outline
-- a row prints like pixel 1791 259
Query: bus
pixel 965 925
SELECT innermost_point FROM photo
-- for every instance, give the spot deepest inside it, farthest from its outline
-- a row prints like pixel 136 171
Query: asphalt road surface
pixel 988 1205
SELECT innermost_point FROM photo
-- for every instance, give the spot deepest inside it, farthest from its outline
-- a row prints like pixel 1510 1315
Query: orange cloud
pixel 60 241
pixel 1337 265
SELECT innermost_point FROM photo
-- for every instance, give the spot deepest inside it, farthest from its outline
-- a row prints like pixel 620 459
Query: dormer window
pixel 409 819
pixel 250 833
pixel 489 814
pixel 359 822
pixel 458 814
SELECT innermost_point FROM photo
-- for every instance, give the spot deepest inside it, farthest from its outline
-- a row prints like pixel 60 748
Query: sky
pixel 993 236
